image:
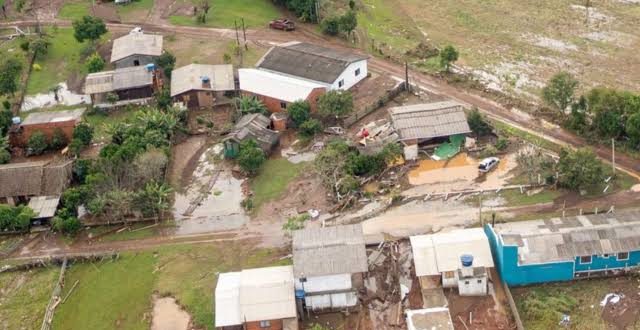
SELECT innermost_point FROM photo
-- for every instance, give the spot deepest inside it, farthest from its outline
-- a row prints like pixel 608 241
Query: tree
pixel 163 98
pixel 95 63
pixel 40 46
pixel 447 56
pixel 559 91
pixel 477 123
pixel 15 218
pixel 68 225
pixel 6 120
pixel 88 28
pixel 5 155
pixel 59 139
pixel 352 4
pixel 330 26
pixel 348 22
pixel 577 120
pixel 299 112
pixel 579 169
pixel 153 200
pixel 37 143
pixel 10 71
pixel 310 128
pixel 249 104
pixel 251 157
pixel 167 62
pixel 84 133
pixel 335 103
pixel 608 123
pixel 632 129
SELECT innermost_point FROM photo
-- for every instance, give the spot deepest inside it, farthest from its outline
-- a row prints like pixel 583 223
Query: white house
pixel 456 259
pixel 331 68
pixel 328 264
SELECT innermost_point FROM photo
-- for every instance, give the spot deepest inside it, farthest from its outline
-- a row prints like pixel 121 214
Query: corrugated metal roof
pixel 136 44
pixel 40 178
pixel 308 61
pixel 437 253
pixel 45 117
pixel 44 206
pixel 427 121
pixel 228 300
pixel 277 86
pixel 267 294
pixel 329 251
pixel 119 79
pixel 190 77
pixel 557 239
pixel 99 82
pixel 254 126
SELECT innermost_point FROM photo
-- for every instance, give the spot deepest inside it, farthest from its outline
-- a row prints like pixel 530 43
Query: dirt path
pixel 157 14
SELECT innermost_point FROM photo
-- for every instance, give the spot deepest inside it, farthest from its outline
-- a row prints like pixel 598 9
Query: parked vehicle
pixel 282 24
pixel 136 29
pixel 488 164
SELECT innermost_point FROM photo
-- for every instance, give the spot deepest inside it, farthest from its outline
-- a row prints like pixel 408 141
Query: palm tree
pixel 158 194
pixel 249 104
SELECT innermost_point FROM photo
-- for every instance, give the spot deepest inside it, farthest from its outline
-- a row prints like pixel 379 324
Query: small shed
pixel 48 123
pixel 201 85
pixel 136 49
pixel 253 126
pixel 131 83
pixel 44 206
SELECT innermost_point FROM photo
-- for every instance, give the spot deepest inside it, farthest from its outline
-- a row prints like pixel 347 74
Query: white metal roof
pixel 228 300
pixel 46 117
pixel 278 86
pixel 44 206
pixel 189 77
pixel 437 253
pixel 136 43
pixel 267 294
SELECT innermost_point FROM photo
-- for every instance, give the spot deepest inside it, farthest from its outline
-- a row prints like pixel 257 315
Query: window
pixel 449 274
pixel 283 105
pixel 136 63
pixel 585 260
pixel 466 282
pixel 623 256
pixel 265 324
pixel 341 83
pixel 479 281
pixel 606 255
pixel 357 72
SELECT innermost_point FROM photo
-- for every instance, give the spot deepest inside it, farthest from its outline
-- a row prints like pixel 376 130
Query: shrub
pixel 37 143
pixel 477 123
pixel 447 56
pixel 58 140
pixel 67 225
pixel 251 157
pixel 84 133
pixel 299 112
pixel 502 143
pixel 15 218
pixel 24 45
pixel 330 26
pixel 5 156
pixel 489 151
pixel 335 103
pixel 579 169
pixel 95 63
pixel 310 128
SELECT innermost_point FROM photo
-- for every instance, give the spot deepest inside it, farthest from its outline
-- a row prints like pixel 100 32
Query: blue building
pixel 562 249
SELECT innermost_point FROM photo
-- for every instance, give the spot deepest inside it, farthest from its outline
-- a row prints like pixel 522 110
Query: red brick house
pixel 46 122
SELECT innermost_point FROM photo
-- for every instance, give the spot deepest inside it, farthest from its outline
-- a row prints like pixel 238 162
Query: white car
pixel 487 164
pixel 136 29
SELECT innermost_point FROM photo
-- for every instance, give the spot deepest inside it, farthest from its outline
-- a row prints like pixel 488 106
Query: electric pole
pixel 613 155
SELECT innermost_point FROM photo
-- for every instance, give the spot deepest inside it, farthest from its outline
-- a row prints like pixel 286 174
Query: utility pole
pixel 613 155
pixel 406 77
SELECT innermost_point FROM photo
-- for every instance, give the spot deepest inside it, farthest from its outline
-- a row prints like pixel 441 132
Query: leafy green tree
pixel 58 140
pixel 448 55
pixel 15 218
pixel 10 71
pixel 352 4
pixel 250 104
pixel 163 98
pixel 251 157
pixel 310 127
pixel 632 129
pixel 608 124
pixel 154 199
pixel 335 103
pixel 88 28
pixel 559 91
pixel 577 120
pixel 348 22
pixel 69 225
pixel 83 133
pixel 299 112
pixel 5 155
pixel 330 26
pixel 167 62
pixel 579 169
pixel 477 123
pixel 304 9
pixel 391 151
pixel 95 63
pixel 5 121
pixel 37 143
pixel 40 46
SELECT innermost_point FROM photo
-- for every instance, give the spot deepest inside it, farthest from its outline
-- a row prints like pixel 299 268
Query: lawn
pixel 61 61
pixel 75 10
pixel 135 11
pixel 273 179
pixel 101 122
pixel 223 13
pixel 513 197
pixel 542 306
pixel 118 294
pixel 384 27
pixel 24 297
pixel 541 142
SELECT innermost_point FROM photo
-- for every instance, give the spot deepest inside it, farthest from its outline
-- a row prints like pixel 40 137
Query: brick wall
pixel 274 105
pixel 274 325
pixel 21 139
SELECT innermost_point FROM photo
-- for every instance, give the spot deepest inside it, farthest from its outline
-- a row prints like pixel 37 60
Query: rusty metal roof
pixel 431 120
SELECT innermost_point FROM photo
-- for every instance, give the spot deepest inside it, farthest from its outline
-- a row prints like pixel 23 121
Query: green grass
pixel 134 11
pixel 24 297
pixel 62 60
pixel 223 13
pixel 273 179
pixel 118 294
pixel 385 28
pixel 75 10
pixel 101 121
pixel 509 130
pixel 130 234
pixel 513 197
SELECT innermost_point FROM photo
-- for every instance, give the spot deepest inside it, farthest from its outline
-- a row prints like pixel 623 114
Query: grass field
pixel 74 10
pixel 273 179
pixel 223 13
pixel 24 297
pixel 513 197
pixel 102 121
pixel 118 294
pixel 135 11
pixel 62 60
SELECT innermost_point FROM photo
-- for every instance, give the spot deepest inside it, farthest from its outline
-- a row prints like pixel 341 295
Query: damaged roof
pixel 255 126
pixel 44 206
pixel 308 61
pixel 437 253
pixel 193 77
pixel 558 239
pixel 47 117
pixel 431 120
pixel 274 85
pixel 329 251
pixel 136 43
pixel 119 79
pixel 35 178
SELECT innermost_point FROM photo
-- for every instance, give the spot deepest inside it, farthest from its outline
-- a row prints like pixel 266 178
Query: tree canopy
pixel 477 123
pixel 579 169
pixel 10 71
pixel 336 103
pixel 560 90
pixel 251 157
pixel 299 112
pixel 448 55
pixel 88 28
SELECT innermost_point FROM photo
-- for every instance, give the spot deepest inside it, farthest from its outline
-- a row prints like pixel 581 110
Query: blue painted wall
pixel 506 259
pixel 601 263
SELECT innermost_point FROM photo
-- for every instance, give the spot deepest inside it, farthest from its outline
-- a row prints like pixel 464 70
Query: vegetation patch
pixel 223 13
pixel 24 297
pixel 75 10
pixel 272 179
pixel 513 197
pixel 134 10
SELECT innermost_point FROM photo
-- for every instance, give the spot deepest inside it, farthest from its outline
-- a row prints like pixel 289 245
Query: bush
pixel 295 223
pixel 37 143
pixel 251 157
pixel 489 151
pixel 167 62
pixel 299 112
pixel 477 123
pixel 15 218
pixel 67 225
pixel 330 26
pixel 335 103
pixel 5 156
pixel 579 169
pixel 502 143
pixel 310 128
pixel 24 45
pixel 95 63
pixel 58 140
pixel 83 133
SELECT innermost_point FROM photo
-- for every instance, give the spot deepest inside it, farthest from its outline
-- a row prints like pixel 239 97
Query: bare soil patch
pixel 168 315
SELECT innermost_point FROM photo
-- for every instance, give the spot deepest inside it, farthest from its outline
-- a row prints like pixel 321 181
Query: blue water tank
pixel 467 260
pixel 16 120
pixel 300 294
pixel 205 79
pixel 150 67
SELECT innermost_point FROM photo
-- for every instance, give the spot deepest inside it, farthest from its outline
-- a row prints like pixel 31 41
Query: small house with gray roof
pixel 328 264
pixel 200 86
pixel 136 49
pixel 131 85
pixel 255 127
pixel 563 249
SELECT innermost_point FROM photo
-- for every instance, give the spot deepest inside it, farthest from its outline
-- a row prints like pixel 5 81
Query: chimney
pixel 467 265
